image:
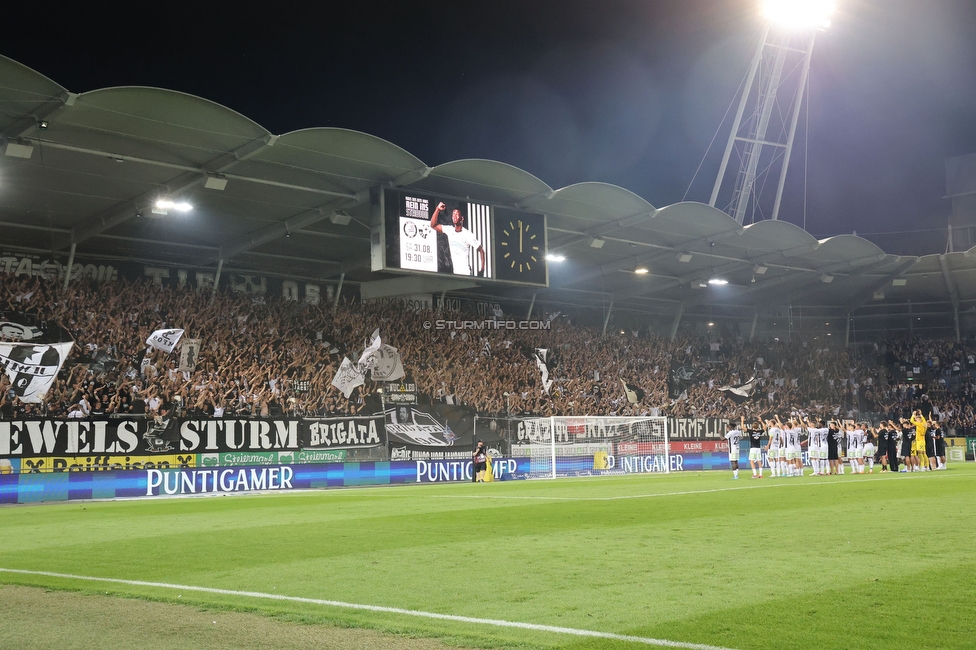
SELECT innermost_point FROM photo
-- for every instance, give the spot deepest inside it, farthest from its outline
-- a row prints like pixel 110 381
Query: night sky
pixel 622 91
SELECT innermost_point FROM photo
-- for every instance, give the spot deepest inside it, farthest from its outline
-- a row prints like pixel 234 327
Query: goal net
pixel 585 446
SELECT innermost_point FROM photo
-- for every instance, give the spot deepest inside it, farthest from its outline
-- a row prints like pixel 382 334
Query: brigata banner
pixel 30 438
pixel 343 433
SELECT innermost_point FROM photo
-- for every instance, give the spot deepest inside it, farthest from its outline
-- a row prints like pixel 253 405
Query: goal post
pixel 590 445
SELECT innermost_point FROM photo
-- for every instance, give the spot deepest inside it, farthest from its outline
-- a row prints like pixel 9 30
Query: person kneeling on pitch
pixel 480 462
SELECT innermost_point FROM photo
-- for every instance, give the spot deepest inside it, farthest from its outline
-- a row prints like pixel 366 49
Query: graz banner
pixel 436 431
pixel 342 433
pixel 30 438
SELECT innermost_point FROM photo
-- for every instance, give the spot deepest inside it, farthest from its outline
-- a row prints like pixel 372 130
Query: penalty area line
pixel 377 608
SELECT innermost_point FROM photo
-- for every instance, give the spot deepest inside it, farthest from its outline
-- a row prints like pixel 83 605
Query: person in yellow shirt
pixel 918 446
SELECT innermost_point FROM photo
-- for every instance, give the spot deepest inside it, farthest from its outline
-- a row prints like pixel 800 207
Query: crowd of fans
pixel 267 357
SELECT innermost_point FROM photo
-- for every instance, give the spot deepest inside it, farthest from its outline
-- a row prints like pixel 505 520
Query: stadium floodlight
pixel 718 282
pixel 799 14
pixel 166 205
pixel 553 257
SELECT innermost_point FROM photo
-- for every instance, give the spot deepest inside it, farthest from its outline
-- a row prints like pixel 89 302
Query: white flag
pixel 32 368
pixel 386 365
pixel 164 340
pixel 189 352
pixel 348 377
pixel 542 363
pixel 366 358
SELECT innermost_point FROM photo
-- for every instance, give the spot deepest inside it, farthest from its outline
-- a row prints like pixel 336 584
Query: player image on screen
pixel 461 241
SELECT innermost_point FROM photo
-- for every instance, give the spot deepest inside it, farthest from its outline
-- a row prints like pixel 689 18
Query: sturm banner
pixel 30 438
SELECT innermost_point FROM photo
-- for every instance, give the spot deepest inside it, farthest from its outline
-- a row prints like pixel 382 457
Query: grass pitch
pixel 867 561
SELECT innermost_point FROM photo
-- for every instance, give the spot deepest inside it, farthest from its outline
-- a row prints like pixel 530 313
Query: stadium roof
pixel 84 169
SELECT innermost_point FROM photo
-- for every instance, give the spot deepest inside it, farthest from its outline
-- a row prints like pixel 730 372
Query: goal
pixel 590 445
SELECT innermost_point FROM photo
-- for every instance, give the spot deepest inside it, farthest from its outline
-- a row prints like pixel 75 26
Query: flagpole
pixel 552 433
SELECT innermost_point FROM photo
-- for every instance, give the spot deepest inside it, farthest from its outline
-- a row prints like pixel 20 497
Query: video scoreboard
pixel 425 233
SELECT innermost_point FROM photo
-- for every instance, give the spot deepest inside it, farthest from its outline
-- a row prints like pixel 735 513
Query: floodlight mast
pixel 789 23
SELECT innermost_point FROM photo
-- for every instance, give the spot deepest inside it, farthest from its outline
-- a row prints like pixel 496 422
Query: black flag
pixel 634 393
pixel 741 393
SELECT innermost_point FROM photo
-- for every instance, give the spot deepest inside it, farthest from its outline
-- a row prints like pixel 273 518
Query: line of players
pixel 921 443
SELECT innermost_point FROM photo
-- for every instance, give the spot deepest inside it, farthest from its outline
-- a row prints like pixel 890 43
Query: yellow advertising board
pixel 105 463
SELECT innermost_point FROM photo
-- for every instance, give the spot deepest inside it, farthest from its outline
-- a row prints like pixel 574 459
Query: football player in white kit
pixel 869 448
pixel 817 447
pixel 733 435
pixel 855 447
pixel 794 457
pixel 775 449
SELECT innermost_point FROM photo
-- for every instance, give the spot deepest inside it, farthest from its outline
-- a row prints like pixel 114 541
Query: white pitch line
pixel 376 608
pixel 671 494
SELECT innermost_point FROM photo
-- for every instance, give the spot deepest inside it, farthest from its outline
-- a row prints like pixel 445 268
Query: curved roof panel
pixel 591 201
pixel 774 237
pixel 486 180
pixel 689 220
pixel 23 91
pixel 331 158
pixel 154 124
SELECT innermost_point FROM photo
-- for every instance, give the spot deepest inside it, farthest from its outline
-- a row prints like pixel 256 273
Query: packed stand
pixel 263 358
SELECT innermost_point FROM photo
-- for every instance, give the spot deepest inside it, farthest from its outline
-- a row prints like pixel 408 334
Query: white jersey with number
pixel 733 436
pixel 793 439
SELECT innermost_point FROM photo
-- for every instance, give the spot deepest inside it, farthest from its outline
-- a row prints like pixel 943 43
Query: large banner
pixel 433 432
pixel 31 438
pixel 342 433
pixel 697 428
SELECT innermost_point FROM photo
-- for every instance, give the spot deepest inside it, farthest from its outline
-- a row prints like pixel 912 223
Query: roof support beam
pixel 604 228
pixel 953 292
pixel 292 224
pixel 859 299
pixel 180 184
pixel 950 284
pixel 687 277
pixel 20 128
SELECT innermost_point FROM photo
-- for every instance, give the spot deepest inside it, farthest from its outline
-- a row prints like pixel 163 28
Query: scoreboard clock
pixel 520 247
